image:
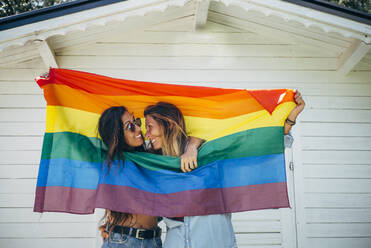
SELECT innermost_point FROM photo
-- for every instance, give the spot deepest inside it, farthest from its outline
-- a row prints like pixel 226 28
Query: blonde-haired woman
pixel 167 133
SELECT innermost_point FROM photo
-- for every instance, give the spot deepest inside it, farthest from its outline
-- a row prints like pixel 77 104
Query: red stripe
pixel 102 85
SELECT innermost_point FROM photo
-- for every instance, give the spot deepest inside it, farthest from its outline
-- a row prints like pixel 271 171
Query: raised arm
pixel 189 157
pixel 291 119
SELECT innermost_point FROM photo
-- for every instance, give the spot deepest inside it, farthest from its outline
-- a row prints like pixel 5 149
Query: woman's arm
pixel 189 158
pixel 291 119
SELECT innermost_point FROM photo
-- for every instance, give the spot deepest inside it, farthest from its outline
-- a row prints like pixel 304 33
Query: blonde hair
pixel 172 125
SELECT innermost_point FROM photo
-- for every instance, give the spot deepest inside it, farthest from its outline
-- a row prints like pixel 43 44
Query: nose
pixel 137 128
pixel 147 135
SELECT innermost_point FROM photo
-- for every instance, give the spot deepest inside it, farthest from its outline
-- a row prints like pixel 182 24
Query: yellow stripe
pixel 64 119
pixel 210 129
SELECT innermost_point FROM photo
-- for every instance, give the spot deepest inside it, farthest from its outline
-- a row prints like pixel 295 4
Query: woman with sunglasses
pixel 120 132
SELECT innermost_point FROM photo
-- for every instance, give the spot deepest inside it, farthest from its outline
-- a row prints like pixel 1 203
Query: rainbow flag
pixel 241 166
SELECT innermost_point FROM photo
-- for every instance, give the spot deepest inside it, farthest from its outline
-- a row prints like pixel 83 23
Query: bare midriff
pixel 140 221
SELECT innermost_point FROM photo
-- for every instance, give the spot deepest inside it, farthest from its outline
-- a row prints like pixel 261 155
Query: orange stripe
pixel 215 107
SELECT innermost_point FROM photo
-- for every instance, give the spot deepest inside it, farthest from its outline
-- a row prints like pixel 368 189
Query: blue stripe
pixel 69 173
pixel 219 174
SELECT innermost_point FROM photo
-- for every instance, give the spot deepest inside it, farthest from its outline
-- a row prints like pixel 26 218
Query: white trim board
pixel 118 12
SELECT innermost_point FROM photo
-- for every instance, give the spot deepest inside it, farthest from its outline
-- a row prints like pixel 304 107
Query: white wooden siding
pixel 332 138
pixel 22 123
pixel 365 63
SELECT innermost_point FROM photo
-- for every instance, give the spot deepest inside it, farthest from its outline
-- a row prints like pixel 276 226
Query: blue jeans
pixel 116 240
pixel 214 231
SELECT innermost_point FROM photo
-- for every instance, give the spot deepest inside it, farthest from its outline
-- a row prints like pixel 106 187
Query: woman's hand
pixel 103 233
pixel 300 104
pixel 45 75
pixel 189 159
pixel 291 118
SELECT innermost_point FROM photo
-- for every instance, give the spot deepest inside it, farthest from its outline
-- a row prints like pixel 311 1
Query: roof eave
pixel 52 12
pixel 334 9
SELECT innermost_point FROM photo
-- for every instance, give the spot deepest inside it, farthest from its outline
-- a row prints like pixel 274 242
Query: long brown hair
pixel 111 130
pixel 172 123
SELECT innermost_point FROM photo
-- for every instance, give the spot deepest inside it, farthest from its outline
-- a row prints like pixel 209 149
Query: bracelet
pixel 290 122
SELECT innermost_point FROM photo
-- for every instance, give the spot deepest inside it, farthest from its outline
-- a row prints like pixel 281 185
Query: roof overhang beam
pixel 47 54
pixel 201 11
pixel 351 57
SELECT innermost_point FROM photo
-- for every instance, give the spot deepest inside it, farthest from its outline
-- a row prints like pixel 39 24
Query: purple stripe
pixel 64 199
pixel 185 203
pixel 193 202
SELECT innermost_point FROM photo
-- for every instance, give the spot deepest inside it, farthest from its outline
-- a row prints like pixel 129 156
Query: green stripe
pixel 253 142
pixel 72 146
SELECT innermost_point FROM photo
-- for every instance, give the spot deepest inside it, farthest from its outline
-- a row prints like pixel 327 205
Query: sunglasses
pixel 131 125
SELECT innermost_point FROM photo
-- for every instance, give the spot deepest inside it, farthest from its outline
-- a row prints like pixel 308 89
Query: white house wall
pixel 22 123
pixel 365 63
pixel 332 155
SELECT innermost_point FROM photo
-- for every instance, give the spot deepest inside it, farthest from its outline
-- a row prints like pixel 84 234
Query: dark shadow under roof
pixel 334 9
pixel 52 12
